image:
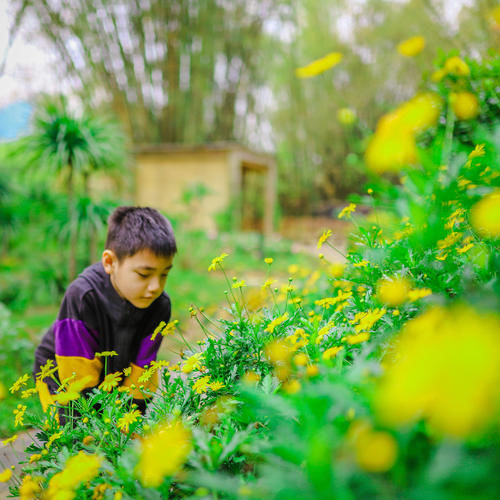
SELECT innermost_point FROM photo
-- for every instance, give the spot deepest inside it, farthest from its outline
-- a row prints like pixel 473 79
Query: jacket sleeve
pixel 76 342
pixel 146 353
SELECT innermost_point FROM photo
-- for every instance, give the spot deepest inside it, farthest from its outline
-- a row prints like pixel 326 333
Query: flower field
pixel 378 377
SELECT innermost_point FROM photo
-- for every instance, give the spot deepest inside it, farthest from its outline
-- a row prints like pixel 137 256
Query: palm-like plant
pixel 71 147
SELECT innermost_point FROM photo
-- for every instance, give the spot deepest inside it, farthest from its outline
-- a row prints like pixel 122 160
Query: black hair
pixel 132 229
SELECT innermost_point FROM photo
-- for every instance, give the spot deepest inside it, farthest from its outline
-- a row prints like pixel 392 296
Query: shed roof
pixel 169 147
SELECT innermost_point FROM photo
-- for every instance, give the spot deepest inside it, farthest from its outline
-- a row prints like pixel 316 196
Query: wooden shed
pixel 205 182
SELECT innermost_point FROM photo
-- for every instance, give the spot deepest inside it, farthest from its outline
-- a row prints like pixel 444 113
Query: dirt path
pixel 12 454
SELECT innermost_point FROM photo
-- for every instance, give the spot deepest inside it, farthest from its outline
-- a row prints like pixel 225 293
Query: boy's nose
pixel 154 285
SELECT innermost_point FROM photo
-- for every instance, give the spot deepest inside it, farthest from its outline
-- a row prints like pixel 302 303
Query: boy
pixel 113 305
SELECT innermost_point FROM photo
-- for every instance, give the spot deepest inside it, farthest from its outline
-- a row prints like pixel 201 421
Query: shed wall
pixel 161 180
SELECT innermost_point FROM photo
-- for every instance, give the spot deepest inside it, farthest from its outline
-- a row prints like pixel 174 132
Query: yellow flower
pixel 239 284
pixel 336 270
pixel 444 368
pixel 78 469
pixel 202 385
pixel 268 260
pixel 20 382
pixel 12 439
pixel 346 116
pixel 412 46
pixel 477 152
pixel 46 370
pixel 363 263
pixel 292 386
pixel 127 371
pixel 28 392
pixel 217 261
pixel 312 370
pixel 300 359
pixel 250 378
pixel 87 440
pixel 375 451
pixel 278 351
pixel 419 293
pixel 465 248
pixel 110 381
pixel 456 66
pixel 393 291
pixel 347 211
pixel 357 339
pixel 106 354
pixel 215 386
pixel 53 438
pixel 319 65
pixel 438 75
pixel 5 475
pixel 163 453
pixel 127 419
pixel 192 363
pixel 332 352
pixel 276 322
pixel 465 105
pixel 19 414
pixel 35 458
pixel 30 488
pixel 485 216
pixel 267 284
pixel 324 237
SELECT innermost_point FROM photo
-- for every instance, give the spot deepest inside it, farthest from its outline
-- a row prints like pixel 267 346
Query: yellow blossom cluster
pixel 319 66
pixel 78 469
pixel 364 320
pixel 163 453
pixel 444 368
pixel 393 291
pixel 393 144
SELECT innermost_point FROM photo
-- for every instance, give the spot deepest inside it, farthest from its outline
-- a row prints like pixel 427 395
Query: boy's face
pixel 139 278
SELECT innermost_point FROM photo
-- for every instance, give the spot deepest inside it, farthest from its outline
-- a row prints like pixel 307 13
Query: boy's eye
pixel 142 275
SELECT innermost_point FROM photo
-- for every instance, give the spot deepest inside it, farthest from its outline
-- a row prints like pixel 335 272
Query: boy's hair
pixel 132 229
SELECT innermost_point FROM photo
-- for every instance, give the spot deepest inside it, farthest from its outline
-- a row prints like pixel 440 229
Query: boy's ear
pixel 108 260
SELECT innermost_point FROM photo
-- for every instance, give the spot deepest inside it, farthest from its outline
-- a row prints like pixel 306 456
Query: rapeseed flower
pixel 106 354
pixel 268 260
pixel 46 370
pixel 202 385
pixel 276 322
pixel 5 475
pixel 412 46
pixel 393 291
pixel 485 216
pixel 278 351
pixel 418 293
pixel 375 451
pixel 465 105
pixel 346 116
pixel 357 339
pixel 331 352
pixel 163 453
pixel 30 487
pixel 366 319
pixel 79 468
pixel 444 368
pixel 127 419
pixel 456 66
pixel 20 382
pixel 12 439
pixel 110 381
pixel 319 65
pixel 19 414
pixel 347 211
pixel 215 386
pixel 324 237
pixel 217 261
pixel 192 363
